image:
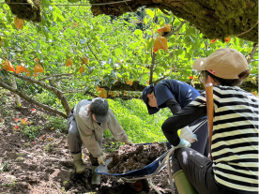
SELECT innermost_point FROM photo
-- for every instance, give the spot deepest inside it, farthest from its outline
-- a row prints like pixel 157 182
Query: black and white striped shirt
pixel 235 137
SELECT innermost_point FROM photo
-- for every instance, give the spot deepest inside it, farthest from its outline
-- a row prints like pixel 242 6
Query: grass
pixel 141 127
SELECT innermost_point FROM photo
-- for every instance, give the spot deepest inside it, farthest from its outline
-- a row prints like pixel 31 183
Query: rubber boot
pixel 96 179
pixel 182 183
pixel 78 162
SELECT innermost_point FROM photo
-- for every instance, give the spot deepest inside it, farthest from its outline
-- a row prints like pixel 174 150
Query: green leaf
pixel 145 21
pixel 138 32
pixel 118 51
pixel 150 13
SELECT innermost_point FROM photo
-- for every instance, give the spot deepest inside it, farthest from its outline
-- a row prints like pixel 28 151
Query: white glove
pixel 183 143
pixel 129 142
pixel 187 134
pixel 101 159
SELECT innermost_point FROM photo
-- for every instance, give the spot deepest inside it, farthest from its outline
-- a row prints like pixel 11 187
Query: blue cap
pixel 148 90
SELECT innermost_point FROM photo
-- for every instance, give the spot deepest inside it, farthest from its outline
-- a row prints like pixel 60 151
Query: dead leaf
pixel 50 139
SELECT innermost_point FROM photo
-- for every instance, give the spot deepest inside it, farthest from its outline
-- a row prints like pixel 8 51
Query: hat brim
pixel 199 64
pixel 152 110
pixel 102 118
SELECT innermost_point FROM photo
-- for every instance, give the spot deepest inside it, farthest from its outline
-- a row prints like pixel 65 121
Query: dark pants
pixel 198 170
pixel 202 145
pixel 74 140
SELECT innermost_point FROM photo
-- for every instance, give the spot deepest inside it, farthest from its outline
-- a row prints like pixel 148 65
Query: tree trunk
pixel 215 19
pixel 17 98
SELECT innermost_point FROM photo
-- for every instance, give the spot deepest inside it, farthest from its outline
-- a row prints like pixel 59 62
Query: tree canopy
pixel 106 56
pixel 215 19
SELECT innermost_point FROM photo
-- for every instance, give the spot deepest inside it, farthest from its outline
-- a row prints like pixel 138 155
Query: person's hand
pixel 183 143
pixel 104 156
pixel 129 142
pixel 188 135
pixel 101 159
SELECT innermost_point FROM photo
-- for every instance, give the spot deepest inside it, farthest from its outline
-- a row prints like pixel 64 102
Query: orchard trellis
pixel 120 57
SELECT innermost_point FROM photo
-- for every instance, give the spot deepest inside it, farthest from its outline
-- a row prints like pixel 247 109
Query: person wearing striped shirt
pixel 234 147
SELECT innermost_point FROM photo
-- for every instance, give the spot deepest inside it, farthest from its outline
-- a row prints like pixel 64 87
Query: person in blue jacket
pixel 175 95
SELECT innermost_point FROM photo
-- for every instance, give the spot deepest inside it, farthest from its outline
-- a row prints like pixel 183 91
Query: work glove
pixel 187 134
pixel 183 143
pixel 101 159
pixel 129 142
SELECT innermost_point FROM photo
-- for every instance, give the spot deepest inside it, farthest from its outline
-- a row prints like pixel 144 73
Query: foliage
pixel 133 117
pixel 114 147
pixel 57 123
pixel 117 49
pixel 49 147
pixel 30 131
pixel 4 167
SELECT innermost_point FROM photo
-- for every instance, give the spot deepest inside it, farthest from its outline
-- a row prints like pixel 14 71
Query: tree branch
pixel 160 79
pixel 176 30
pixel 56 91
pixel 57 76
pixel 152 68
pixel 119 86
pixel 73 91
pixel 251 55
pixel 123 97
pixel 45 107
pixel 50 78
pixel 248 30
pixel 38 82
pixel 92 51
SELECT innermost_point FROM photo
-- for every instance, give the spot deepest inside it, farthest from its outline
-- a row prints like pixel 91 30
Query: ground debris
pixel 128 158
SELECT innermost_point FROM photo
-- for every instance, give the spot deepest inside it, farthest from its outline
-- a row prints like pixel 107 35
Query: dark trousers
pixel 199 172
pixel 202 145
pixel 74 140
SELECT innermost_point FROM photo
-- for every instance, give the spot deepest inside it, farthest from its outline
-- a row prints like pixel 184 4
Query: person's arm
pixel 118 133
pixel 182 118
pixel 173 105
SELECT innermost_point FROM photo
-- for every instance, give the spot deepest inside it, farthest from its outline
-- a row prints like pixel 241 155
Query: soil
pixel 43 164
pixel 127 158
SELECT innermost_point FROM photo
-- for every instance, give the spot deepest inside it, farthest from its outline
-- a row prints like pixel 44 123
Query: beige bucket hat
pixel 224 63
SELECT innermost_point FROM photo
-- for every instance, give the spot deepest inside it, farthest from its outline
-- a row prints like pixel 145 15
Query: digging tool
pixel 210 110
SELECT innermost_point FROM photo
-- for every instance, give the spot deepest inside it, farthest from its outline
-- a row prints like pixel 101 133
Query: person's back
pixel 235 138
pixel 168 89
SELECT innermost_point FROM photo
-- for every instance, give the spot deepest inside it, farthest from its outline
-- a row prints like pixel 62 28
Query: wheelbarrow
pixel 136 179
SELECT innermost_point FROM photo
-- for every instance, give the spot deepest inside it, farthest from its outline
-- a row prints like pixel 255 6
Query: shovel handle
pixel 210 110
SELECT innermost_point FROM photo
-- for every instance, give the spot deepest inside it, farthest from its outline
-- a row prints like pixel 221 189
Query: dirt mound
pixel 128 158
